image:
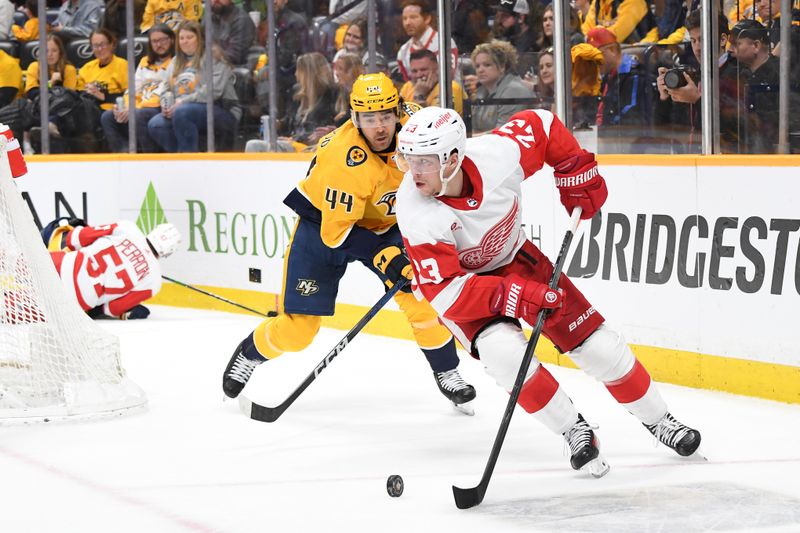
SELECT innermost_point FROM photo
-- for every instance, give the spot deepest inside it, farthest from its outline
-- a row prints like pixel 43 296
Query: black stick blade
pixel 258 412
pixel 466 498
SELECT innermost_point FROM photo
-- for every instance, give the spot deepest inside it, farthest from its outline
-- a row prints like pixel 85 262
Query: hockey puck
pixel 394 486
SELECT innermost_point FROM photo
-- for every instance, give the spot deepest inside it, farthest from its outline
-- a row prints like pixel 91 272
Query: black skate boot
pixel 683 439
pixel 585 449
pixel 455 389
pixel 240 368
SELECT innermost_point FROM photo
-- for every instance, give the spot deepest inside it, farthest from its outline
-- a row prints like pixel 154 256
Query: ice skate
pixel 584 449
pixel 683 439
pixel 455 389
pixel 238 371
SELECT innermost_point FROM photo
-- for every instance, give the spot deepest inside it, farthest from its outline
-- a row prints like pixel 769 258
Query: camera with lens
pixel 674 77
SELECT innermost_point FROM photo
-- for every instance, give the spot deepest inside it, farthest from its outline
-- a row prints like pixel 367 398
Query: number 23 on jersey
pixel 427 271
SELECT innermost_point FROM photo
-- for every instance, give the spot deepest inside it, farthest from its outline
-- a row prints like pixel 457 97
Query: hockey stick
pixel 466 498
pixel 263 413
pixel 201 291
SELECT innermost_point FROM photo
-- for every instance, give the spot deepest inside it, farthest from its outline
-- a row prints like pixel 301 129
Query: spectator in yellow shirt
pixel 59 70
pixel 10 78
pixel 30 31
pixel 423 85
pixel 106 77
pixel 622 18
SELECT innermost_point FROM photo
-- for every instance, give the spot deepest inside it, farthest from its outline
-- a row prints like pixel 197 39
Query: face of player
pixel 426 171
pixel 423 69
pixel 378 128
pixel 353 40
pixel 102 48
pixel 53 54
pixel 414 22
pixel 487 71
pixel 546 72
pixel 547 23
pixel 187 40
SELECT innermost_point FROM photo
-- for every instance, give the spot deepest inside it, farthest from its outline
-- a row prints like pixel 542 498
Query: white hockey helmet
pixel 433 131
pixel 164 239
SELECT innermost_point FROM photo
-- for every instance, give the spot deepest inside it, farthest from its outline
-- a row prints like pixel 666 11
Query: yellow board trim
pixel 770 381
pixel 605 159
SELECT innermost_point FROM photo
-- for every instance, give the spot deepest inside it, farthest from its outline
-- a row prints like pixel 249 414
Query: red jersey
pixel 109 265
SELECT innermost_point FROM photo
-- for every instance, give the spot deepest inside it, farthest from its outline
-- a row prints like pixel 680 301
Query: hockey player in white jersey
pixel 111 269
pixel 458 209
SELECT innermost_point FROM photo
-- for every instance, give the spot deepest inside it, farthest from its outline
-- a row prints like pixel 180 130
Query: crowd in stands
pixel 635 68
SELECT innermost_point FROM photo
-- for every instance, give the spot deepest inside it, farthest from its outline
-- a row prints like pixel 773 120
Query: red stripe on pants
pixel 538 390
pixel 632 386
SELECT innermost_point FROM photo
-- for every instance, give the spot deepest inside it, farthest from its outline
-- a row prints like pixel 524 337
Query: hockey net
pixel 55 362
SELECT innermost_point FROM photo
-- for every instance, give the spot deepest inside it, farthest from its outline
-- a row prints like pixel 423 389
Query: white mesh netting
pixel 54 360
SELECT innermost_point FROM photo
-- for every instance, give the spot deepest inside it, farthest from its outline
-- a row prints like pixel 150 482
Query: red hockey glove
pixel 580 184
pixel 11 146
pixel 517 298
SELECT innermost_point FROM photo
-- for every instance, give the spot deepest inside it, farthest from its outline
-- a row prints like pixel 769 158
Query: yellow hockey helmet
pixel 373 92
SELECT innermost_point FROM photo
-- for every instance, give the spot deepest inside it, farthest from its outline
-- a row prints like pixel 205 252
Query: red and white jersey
pixel 451 239
pixel 109 265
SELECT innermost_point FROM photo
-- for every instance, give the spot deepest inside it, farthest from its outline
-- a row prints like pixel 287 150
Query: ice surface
pixel 192 462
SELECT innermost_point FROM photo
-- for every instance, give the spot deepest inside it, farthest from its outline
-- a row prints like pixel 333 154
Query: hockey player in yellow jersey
pixel 346 212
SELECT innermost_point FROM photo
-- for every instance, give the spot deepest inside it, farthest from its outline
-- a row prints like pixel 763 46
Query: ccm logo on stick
pixel 331 355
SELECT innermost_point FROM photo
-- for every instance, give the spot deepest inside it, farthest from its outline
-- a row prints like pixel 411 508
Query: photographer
pixel 679 92
pixel 761 88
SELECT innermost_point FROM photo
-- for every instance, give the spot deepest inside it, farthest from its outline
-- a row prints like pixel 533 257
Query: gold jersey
pixel 170 12
pixel 352 185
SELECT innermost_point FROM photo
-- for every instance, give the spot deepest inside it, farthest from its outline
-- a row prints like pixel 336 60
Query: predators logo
pixel 171 18
pixel 185 82
pixel 389 200
pixel 307 287
pixel 355 156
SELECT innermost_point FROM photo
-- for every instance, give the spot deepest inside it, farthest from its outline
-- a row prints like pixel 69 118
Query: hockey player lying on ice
pixel 458 209
pixel 112 268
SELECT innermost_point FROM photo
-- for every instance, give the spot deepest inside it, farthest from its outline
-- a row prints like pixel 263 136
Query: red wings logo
pixel 492 242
